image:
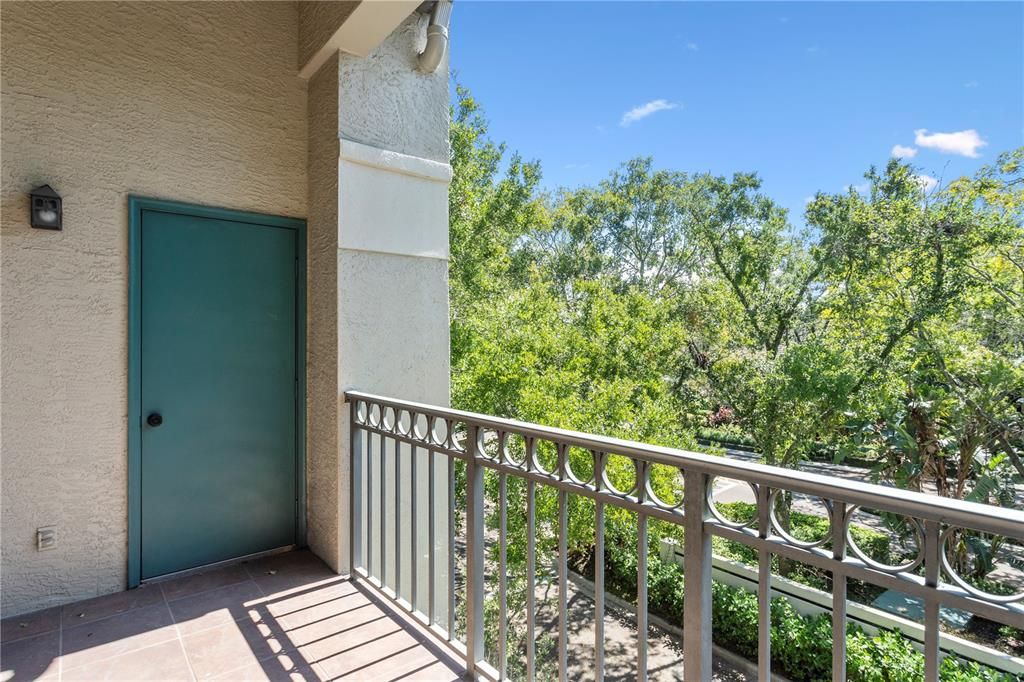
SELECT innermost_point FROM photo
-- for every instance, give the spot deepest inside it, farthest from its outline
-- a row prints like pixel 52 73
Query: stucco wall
pixel 392 255
pixel 197 102
pixel 317 23
pixel 386 103
pixel 323 487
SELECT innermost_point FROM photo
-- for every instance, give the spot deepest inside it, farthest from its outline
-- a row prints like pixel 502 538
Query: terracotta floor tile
pixel 359 655
pixel 164 662
pixel 222 624
pixel 117 635
pixel 224 605
pixel 204 582
pixel 302 600
pixel 281 668
pixel 435 672
pixel 211 652
pixel 355 603
pixel 30 658
pixel 30 624
pixel 110 605
pixel 418 664
pixel 287 572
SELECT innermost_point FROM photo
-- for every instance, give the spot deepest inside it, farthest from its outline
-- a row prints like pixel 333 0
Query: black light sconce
pixel 45 208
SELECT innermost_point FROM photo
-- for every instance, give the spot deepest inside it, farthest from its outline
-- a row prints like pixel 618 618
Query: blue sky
pixel 808 94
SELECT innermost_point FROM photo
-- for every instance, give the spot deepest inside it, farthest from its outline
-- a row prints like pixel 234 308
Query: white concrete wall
pixel 393 254
pixel 197 102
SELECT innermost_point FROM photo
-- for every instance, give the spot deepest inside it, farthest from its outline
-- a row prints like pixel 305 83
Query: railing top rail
pixel 960 513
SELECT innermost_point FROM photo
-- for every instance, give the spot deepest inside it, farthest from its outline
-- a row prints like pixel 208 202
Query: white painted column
pixel 389 294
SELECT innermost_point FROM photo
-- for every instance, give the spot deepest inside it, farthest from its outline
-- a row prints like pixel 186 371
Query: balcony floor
pixel 285 617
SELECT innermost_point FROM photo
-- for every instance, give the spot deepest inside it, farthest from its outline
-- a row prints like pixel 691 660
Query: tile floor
pixel 285 617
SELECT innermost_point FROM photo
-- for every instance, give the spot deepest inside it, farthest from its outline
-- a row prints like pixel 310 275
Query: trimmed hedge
pixel 805 527
pixel 801 645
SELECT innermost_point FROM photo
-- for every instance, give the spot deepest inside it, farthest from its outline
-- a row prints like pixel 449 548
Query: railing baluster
pixel 398 515
pixel 531 576
pixel 598 572
pixel 369 498
pixel 563 584
pixel 764 588
pixel 932 549
pixel 414 555
pixel 502 574
pixel 474 554
pixel 563 565
pixel 431 539
pixel 451 545
pixel 641 598
pixel 642 472
pixel 838 592
pixel 697 572
pixel 356 492
pixel 383 508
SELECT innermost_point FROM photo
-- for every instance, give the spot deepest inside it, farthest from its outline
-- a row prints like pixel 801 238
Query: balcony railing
pixel 404 545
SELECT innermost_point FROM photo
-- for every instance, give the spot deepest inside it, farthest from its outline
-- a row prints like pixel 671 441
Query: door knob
pixel 155 419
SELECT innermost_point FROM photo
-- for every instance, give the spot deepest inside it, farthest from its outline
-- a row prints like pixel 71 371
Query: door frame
pixel 137 206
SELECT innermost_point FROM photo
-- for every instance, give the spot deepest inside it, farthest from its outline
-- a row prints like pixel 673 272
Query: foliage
pixel 806 528
pixel 801 645
pixel 658 305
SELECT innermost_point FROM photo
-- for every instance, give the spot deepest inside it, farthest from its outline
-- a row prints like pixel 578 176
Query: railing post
pixel 355 494
pixel 697 576
pixel 839 520
pixel 932 558
pixel 474 554
pixel 764 587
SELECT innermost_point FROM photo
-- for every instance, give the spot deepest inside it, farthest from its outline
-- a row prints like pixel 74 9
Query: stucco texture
pixel 323 485
pixel 196 102
pixel 385 102
pixel 317 23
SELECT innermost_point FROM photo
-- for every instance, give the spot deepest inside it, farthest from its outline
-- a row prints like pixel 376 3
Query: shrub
pixel 801 645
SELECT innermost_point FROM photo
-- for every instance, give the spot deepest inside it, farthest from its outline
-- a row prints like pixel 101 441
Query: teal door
pixel 217 388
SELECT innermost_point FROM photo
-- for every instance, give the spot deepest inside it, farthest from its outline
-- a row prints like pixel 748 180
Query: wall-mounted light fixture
pixel 45 208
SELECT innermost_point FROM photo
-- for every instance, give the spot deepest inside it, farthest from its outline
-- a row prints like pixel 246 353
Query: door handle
pixel 154 419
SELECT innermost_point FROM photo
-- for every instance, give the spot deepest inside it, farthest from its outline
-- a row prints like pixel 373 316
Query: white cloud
pixel 901 152
pixel 644 110
pixel 692 47
pixel 971 84
pixel 860 188
pixel 927 182
pixel 964 142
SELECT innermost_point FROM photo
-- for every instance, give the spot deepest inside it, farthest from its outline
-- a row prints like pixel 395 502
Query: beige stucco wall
pixel 318 22
pixel 324 495
pixel 196 102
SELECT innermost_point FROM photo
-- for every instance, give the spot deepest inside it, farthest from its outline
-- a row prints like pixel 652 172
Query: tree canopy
pixel 657 303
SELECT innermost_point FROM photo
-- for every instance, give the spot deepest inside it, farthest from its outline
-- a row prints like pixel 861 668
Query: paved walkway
pixel 664 650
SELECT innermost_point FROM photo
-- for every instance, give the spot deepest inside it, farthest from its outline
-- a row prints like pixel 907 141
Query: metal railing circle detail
pixel 777 528
pixel 855 549
pixel 709 493
pixel 951 573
